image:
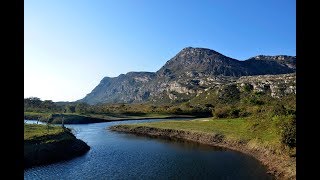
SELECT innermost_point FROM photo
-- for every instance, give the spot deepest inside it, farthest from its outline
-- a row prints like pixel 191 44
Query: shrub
pixel 247 87
pixel 201 111
pixel 244 113
pixel 176 110
pixel 288 132
pixel 229 94
pixel 255 101
pixel 229 112
pixel 235 113
pixel 209 105
pixel 221 112
pixel 279 110
pixel 291 112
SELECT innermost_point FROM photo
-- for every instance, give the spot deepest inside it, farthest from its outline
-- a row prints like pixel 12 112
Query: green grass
pixel 33 131
pixel 244 129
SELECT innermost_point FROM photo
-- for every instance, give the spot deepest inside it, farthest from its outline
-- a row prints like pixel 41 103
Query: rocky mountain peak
pixel 200 60
pixel 188 73
pixel 196 54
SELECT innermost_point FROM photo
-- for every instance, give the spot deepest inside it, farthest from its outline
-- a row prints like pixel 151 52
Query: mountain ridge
pixel 188 73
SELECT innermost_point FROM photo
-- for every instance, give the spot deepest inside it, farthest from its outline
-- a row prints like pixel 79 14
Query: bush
pixel 247 87
pixel 291 111
pixel 235 113
pixel 256 101
pixel 201 111
pixel 288 133
pixel 244 113
pixel 229 112
pixel 279 110
pixel 221 112
pixel 176 110
pixel 229 94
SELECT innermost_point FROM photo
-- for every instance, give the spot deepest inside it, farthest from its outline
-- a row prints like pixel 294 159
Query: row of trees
pixel 34 104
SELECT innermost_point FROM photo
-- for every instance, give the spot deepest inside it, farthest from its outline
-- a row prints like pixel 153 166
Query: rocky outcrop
pixel 277 85
pixel 184 76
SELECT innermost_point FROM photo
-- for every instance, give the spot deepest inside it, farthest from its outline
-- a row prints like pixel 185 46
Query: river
pixel 116 155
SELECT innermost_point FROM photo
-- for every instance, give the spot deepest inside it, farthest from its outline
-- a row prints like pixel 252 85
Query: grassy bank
pixel 47 144
pixel 239 129
pixel 260 138
pixel 34 131
pixel 37 116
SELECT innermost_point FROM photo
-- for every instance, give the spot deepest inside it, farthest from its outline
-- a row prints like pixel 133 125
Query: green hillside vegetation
pixel 230 102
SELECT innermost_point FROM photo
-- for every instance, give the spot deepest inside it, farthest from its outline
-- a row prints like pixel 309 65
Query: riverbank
pixel 43 145
pixel 73 118
pixel 233 134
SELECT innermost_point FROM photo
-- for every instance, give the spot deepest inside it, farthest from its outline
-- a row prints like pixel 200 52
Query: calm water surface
pixel 116 155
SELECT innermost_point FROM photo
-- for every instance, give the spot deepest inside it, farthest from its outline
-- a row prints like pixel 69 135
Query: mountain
pixel 186 75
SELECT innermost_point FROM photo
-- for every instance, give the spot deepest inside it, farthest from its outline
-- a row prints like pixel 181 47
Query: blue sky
pixel 70 45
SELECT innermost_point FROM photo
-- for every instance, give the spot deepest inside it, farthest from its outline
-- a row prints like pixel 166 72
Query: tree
pixel 32 102
pixel 288 133
pixel 48 104
pixel 229 94
pixel 70 109
pixel 81 108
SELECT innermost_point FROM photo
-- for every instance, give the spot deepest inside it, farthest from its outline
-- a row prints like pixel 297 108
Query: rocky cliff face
pixel 189 73
pixel 127 88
